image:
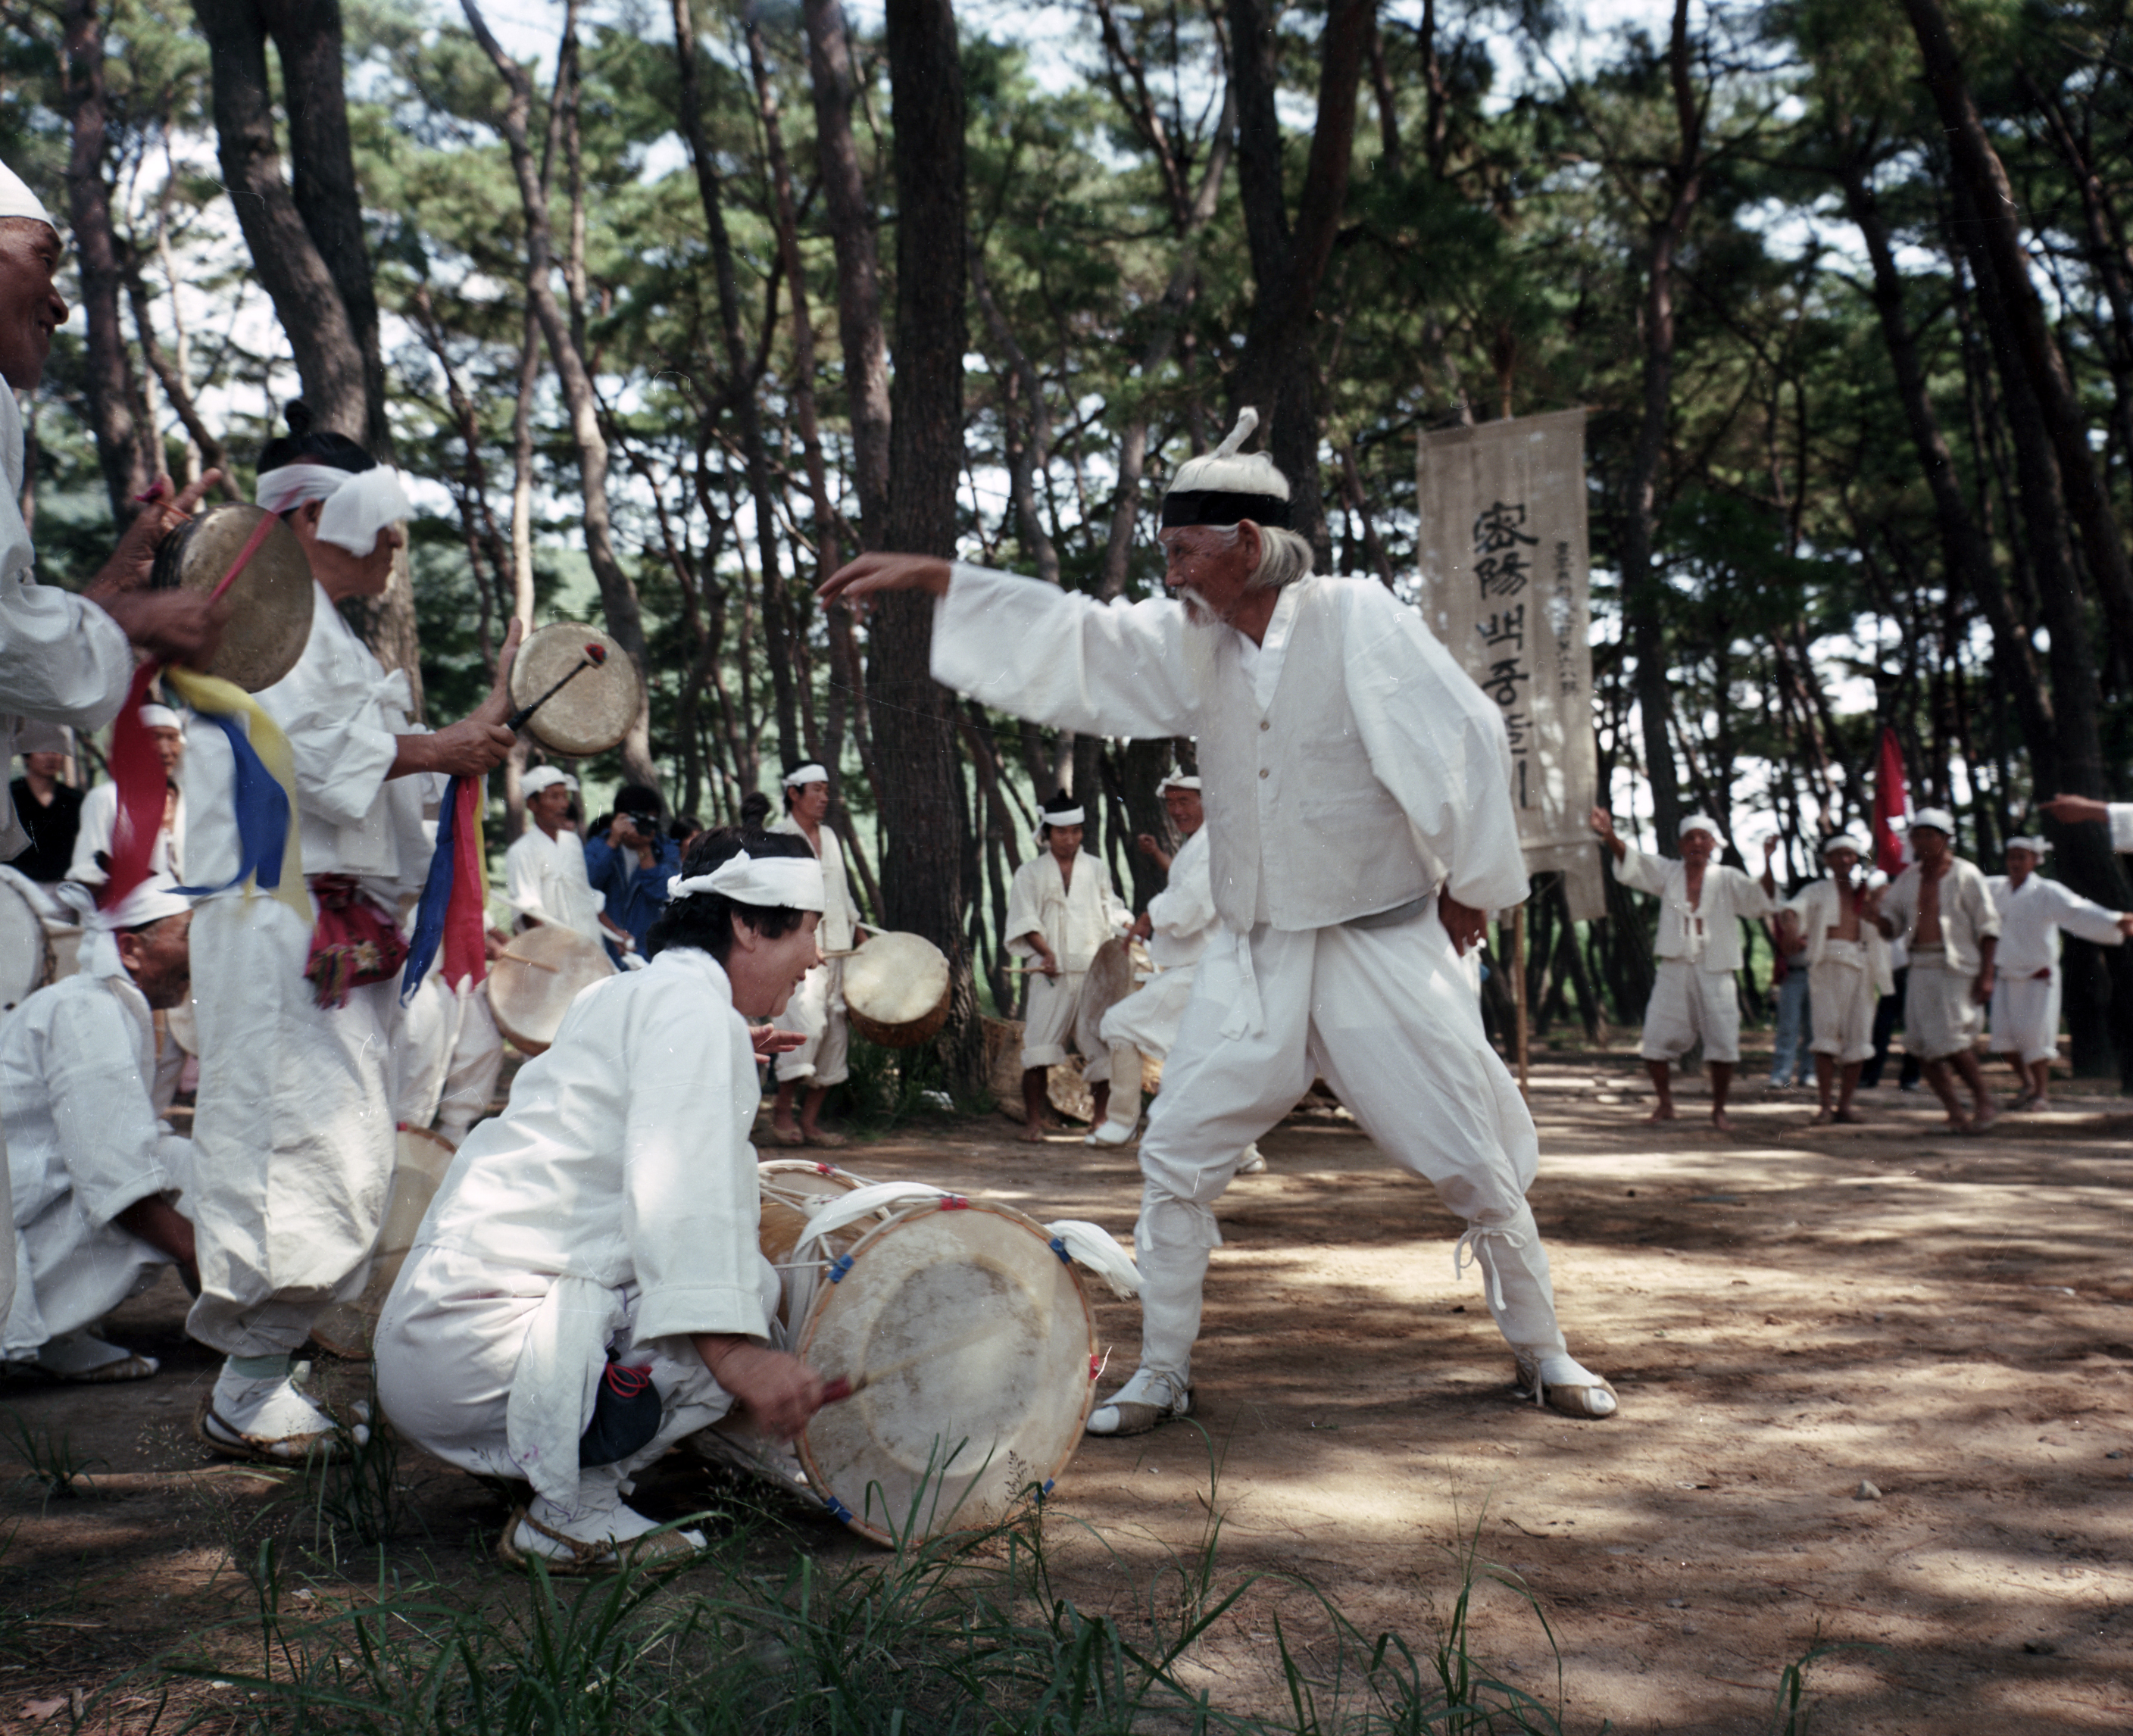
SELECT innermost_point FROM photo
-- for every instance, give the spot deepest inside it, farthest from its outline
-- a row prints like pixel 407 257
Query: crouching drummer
pixel 587 1288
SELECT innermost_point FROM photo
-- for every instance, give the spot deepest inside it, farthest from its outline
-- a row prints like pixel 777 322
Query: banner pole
pixel 1519 987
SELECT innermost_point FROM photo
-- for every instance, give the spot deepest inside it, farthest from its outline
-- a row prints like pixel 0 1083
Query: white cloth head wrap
pixel 153 899
pixel 159 717
pixel 810 773
pixel 358 504
pixel 2035 846
pixel 1177 780
pixel 17 200
pixel 1699 823
pixel 34 736
pixel 543 777
pixel 1939 819
pixel 1845 841
pixel 775 882
pixel 1064 817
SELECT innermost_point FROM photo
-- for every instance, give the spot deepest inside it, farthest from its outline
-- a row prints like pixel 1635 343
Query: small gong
pixel 594 709
pixel 270 617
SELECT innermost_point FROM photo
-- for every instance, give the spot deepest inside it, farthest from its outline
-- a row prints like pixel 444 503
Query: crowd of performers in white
pixel 588 1286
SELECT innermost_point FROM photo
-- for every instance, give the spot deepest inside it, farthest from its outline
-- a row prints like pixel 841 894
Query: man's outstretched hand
pixel 1461 922
pixel 2076 810
pixel 857 583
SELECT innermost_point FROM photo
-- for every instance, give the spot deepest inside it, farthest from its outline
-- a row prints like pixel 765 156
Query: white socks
pixel 267 1407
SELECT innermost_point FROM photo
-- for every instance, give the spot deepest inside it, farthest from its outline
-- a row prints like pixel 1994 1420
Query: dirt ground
pixel 1788 1313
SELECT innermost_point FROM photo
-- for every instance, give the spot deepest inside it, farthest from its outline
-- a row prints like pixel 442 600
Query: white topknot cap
pixel 1246 484
pixel 17 200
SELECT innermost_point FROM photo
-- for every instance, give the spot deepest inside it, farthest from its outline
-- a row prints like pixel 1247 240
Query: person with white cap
pixel 99 1180
pixel 1359 823
pixel 1177 925
pixel 544 871
pixel 1694 996
pixel 2025 990
pixel 587 1288
pixel 1848 972
pixel 1942 909
pixel 99 808
pixel 816 1011
pixel 1061 907
pixel 299 1021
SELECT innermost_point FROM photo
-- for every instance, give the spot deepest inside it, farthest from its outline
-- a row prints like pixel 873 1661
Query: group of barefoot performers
pixel 588 1287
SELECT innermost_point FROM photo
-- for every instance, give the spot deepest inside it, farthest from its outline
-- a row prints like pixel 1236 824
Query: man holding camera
pixel 631 863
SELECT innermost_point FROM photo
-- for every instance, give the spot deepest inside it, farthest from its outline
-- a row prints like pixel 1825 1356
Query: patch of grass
pixel 51 1459
pixel 1792 1714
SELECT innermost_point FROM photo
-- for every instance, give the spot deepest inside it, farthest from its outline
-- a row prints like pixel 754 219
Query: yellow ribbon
pixel 211 694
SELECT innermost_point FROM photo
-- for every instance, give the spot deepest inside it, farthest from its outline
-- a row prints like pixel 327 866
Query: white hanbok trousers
pixel 1058 1017
pixel 1841 1002
pixel 1392 1017
pixel 294 1134
pixel 448 1351
pixel 1145 1022
pixel 1690 1004
pixel 2025 1016
pixel 816 1011
pixel 447 1053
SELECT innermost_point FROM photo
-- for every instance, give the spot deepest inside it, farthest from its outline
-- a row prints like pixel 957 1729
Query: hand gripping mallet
pixel 596 655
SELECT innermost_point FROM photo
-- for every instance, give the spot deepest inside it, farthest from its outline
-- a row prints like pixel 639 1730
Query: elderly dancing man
pixel 2025 993
pixel 1359 826
pixel 1847 966
pixel 1699 948
pixel 1942 909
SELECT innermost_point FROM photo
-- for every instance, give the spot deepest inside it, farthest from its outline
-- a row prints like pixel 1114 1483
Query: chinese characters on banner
pixel 1505 584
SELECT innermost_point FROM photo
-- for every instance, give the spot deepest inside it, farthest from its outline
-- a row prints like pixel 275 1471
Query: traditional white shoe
pixel 1254 1163
pixel 585 1543
pixel 266 1419
pixel 1563 1384
pixel 1109 1133
pixel 81 1357
pixel 1140 1404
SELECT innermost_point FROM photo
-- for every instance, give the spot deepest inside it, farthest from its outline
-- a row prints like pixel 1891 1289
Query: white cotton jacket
pixel 1967 915
pixel 2031 916
pixel 99 820
pixel 1075 920
pixel 1707 933
pixel 840 915
pixel 1348 765
pixel 544 877
pixel 77 1065
pixel 1181 916
pixel 62 660
pixel 1817 906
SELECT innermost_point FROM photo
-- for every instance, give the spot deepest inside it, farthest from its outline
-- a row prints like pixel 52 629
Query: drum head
pixel 418 1168
pixel 595 709
pixel 271 601
pixel 532 983
pixel 953 1438
pixel 896 989
pixel 26 958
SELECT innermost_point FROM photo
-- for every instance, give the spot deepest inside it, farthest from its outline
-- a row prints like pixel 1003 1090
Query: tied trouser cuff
pixel 1514 1281
pixel 1172 1243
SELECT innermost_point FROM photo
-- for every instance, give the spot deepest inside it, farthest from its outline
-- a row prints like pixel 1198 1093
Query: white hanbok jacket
pixel 1707 933
pixel 840 915
pixel 99 822
pixel 1348 765
pixel 544 877
pixel 77 1064
pixel 1817 908
pixel 62 660
pixel 621 1171
pixel 1181 916
pixel 1967 915
pixel 1075 920
pixel 2030 918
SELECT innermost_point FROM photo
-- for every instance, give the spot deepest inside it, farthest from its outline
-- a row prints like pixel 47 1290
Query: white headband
pixel 1699 823
pixel 358 505
pixel 151 900
pixel 542 778
pixel 1064 817
pixel 810 773
pixel 1177 780
pixel 2034 846
pixel 1845 841
pixel 17 200
pixel 1938 819
pixel 775 882
pixel 159 717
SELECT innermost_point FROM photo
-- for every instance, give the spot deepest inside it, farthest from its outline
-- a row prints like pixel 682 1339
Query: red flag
pixel 137 770
pixel 1892 806
pixel 466 919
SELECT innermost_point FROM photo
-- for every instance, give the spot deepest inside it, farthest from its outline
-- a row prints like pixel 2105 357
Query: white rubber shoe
pixel 1254 1163
pixel 1140 1404
pixel 84 1358
pixel 575 1541
pixel 1109 1133
pixel 1564 1384
pixel 266 1419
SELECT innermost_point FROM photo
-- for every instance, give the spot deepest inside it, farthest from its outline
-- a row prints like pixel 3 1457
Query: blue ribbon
pixel 436 897
pixel 262 814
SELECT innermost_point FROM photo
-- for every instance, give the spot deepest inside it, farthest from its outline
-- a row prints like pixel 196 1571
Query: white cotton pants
pixel 447 1350
pixel 2025 1016
pixel 294 1132
pixel 1689 1003
pixel 1058 1017
pixel 1841 1003
pixel 1392 1017
pixel 1145 1022
pixel 816 1011
pixel 447 1053
pixel 1940 1016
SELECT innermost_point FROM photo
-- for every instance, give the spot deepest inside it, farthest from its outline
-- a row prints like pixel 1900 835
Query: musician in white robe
pixel 544 872
pixel 1695 997
pixel 66 660
pixel 817 1010
pixel 100 810
pixel 99 1180
pixel 1359 826
pixel 1061 907
pixel 1847 960
pixel 1941 909
pixel 2025 990
pixel 602 1230
pixel 296 1121
pixel 1176 926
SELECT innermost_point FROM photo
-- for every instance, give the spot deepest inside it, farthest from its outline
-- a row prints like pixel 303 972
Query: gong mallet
pixel 596 655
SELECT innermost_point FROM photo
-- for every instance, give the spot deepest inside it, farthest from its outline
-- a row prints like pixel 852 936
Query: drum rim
pixel 803 1341
pixel 535 1045
pixel 165 573
pixel 617 659
pixel 47 959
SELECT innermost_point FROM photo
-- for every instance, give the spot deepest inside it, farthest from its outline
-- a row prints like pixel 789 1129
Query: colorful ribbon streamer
pixel 137 770
pixel 270 849
pixel 453 911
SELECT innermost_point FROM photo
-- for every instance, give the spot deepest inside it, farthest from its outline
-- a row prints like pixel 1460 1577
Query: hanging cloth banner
pixel 453 913
pixel 1506 584
pixel 1892 807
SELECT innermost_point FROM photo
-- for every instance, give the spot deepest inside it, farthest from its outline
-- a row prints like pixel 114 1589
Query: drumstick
pixel 520 958
pixel 946 1347
pixel 596 655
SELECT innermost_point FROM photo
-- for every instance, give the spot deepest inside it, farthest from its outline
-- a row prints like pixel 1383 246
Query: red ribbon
pixel 137 768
